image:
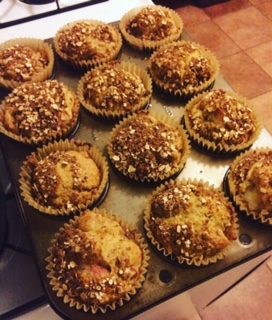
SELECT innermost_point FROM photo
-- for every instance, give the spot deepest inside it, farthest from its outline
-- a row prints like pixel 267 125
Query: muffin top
pixel 97 260
pixel 147 148
pixel 221 118
pixel 87 40
pixel 65 179
pixel 21 63
pixel 182 66
pixel 40 110
pixel 191 220
pixel 250 182
pixel 114 89
pixel 153 23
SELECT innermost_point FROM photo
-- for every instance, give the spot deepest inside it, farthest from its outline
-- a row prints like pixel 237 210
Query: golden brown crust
pixel 250 183
pixel 21 63
pixel 220 119
pixel 114 90
pixel 147 148
pixel 38 112
pixel 183 68
pixel 97 261
pixel 65 179
pixel 191 221
pixel 88 43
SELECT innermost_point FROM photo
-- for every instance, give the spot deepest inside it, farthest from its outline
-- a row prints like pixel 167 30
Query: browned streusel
pixel 114 89
pixel 96 261
pixel 21 63
pixel 39 110
pixel 183 65
pixel 221 118
pixel 152 23
pixel 146 146
pixel 87 41
pixel 65 179
pixel 191 221
pixel 250 179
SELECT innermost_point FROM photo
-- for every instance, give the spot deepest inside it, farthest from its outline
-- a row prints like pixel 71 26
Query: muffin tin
pixel 164 280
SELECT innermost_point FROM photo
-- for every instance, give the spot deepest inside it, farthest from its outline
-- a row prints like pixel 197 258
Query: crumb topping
pixel 252 181
pixel 147 147
pixel 87 41
pixel 191 221
pixel 39 110
pixel 182 65
pixel 114 89
pixel 65 179
pixel 96 264
pixel 152 24
pixel 21 63
pixel 222 119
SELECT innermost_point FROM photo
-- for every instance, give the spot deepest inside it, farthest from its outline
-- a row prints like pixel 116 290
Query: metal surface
pixel 164 278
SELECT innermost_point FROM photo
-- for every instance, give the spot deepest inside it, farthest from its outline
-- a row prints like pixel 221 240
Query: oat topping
pixel 65 179
pixel 114 89
pixel 152 24
pixel 96 261
pixel 222 118
pixel 251 178
pixel 38 110
pixel 21 63
pixel 146 146
pixel 86 41
pixel 191 220
pixel 181 65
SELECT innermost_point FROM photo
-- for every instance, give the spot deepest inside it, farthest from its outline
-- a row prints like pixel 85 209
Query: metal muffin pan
pixel 164 278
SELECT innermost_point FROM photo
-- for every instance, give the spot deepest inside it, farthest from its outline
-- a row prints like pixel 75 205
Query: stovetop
pixel 20 284
pixel 13 12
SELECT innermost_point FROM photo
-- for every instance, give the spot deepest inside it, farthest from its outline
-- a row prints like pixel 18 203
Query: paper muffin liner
pixel 26 175
pixel 182 259
pixel 83 64
pixel 236 189
pixel 145 180
pixel 118 114
pixel 76 301
pixel 47 137
pixel 148 45
pixel 188 92
pixel 37 45
pixel 220 148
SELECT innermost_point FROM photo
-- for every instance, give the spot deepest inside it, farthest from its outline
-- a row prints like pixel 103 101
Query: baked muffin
pixel 221 122
pixel 183 68
pixel 149 27
pixel 85 44
pixel 148 147
pixel 39 112
pixel 25 60
pixel 64 177
pixel 250 184
pixel 97 262
pixel 190 221
pixel 115 90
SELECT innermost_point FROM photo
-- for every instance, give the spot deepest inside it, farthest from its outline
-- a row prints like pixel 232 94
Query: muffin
pixel 25 60
pixel 183 69
pixel 190 222
pixel 85 44
pixel 148 147
pixel 115 90
pixel 97 262
pixel 39 112
pixel 147 28
pixel 221 122
pixel 64 177
pixel 250 184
